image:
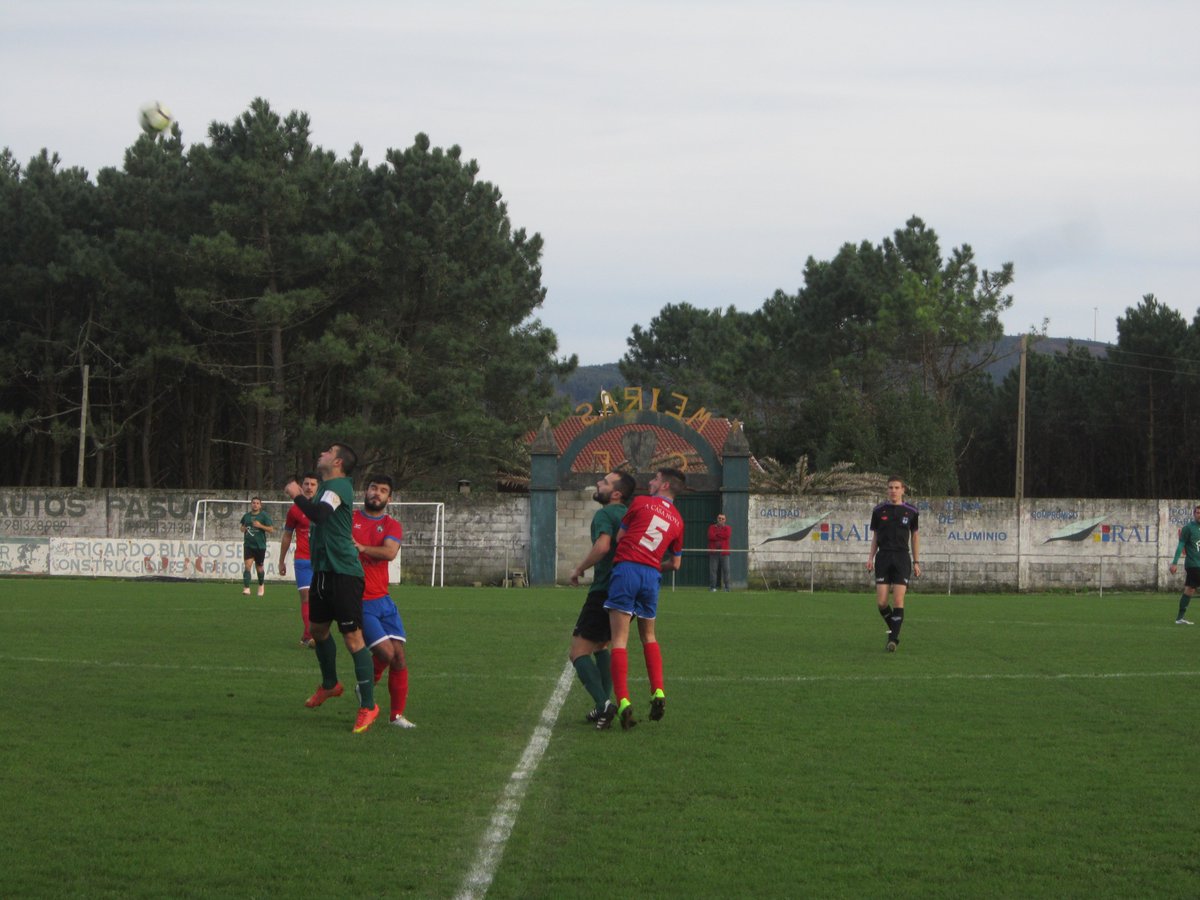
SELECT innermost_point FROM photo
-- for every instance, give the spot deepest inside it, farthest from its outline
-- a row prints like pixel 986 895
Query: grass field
pixel 153 742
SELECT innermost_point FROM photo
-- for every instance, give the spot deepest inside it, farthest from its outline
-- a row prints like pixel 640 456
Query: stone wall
pixel 967 544
pixel 132 533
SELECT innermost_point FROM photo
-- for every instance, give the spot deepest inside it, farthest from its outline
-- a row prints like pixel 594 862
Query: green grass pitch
pixel 154 742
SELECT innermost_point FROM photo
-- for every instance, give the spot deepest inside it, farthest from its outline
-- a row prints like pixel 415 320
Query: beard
pixel 374 505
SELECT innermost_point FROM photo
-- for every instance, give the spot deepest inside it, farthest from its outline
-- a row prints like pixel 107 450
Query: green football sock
pixel 245 578
pixel 1184 600
pixel 604 664
pixel 364 676
pixel 589 675
pixel 261 577
pixel 327 659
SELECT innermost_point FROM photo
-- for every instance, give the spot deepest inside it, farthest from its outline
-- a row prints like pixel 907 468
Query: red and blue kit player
pixel 377 537
pixel 651 529
pixel 297 524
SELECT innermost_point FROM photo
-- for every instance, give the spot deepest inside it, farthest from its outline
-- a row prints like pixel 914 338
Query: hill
pixel 1008 351
pixel 584 385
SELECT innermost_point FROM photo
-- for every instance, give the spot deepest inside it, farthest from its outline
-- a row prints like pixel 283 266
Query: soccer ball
pixel 154 118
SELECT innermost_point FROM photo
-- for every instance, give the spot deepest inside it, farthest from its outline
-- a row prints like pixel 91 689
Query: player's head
pixel 895 488
pixel 720 518
pixel 255 504
pixel 308 484
pixel 668 481
pixel 615 487
pixel 338 460
pixel 379 493
pixel 1196 513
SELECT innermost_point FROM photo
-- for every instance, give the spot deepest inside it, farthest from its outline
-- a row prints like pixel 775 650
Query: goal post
pixel 423 548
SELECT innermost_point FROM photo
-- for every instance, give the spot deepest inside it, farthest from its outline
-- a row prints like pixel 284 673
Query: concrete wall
pixel 974 544
pixel 131 533
pixel 967 544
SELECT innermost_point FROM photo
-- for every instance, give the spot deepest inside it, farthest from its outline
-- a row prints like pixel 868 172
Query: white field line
pixel 947 676
pixel 254 670
pixel 504 817
pixel 696 679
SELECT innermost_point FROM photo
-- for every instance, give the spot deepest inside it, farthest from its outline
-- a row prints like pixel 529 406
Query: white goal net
pixel 422 553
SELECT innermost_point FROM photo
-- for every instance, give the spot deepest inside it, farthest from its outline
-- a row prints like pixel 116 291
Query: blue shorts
pixel 381 621
pixel 633 589
pixel 302 569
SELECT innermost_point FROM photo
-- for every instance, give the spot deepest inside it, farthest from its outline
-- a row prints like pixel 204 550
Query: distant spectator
pixel 718 553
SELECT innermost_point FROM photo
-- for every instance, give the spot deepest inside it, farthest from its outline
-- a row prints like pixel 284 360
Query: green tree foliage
pixel 1117 425
pixel 1152 340
pixel 56 276
pixel 244 302
pixel 866 362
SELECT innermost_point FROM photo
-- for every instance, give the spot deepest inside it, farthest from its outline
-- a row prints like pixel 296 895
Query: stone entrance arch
pixel 727 473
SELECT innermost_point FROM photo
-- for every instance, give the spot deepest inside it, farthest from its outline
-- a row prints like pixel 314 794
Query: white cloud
pixel 698 151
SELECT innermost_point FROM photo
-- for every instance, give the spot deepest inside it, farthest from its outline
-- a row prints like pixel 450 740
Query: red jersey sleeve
pixel 297 523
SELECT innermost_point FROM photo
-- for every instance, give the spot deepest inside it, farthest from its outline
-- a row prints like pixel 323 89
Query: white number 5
pixel 655 532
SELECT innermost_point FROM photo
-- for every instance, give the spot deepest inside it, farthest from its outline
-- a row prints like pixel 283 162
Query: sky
pixel 696 151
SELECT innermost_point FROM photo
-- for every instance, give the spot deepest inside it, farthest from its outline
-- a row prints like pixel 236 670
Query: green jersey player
pixel 337 588
pixel 1189 545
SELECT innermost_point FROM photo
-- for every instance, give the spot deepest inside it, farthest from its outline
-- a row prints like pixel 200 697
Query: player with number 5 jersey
pixel 651 529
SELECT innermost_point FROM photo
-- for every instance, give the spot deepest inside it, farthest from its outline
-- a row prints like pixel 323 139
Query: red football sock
pixel 304 618
pixel 620 673
pixel 398 689
pixel 380 665
pixel 653 665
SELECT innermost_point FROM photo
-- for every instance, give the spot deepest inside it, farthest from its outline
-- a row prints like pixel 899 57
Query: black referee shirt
pixel 892 523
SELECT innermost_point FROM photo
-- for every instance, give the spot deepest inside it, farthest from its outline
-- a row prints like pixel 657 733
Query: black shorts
pixel 1192 579
pixel 592 624
pixel 333 597
pixel 259 556
pixel 892 567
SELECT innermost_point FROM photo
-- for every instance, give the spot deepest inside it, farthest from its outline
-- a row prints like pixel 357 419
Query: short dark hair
pixel 256 497
pixel 307 475
pixel 627 485
pixel 675 479
pixel 381 479
pixel 348 457
pixel 892 478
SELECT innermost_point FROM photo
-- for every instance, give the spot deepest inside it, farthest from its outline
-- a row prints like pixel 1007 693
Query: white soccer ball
pixel 154 118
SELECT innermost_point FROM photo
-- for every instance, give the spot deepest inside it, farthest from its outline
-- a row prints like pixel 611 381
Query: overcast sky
pixel 697 151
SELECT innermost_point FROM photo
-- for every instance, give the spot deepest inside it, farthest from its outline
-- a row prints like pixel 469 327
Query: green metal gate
pixel 699 510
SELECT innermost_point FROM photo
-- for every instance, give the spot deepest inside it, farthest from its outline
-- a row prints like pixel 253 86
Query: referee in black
pixel 892 523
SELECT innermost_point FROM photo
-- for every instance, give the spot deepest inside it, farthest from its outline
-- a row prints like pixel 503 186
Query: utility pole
pixel 83 415
pixel 1021 425
pixel 1021 456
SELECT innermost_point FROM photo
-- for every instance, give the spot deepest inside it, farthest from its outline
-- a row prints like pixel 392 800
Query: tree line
pixel 228 309
pixel 237 305
pixel 880 360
